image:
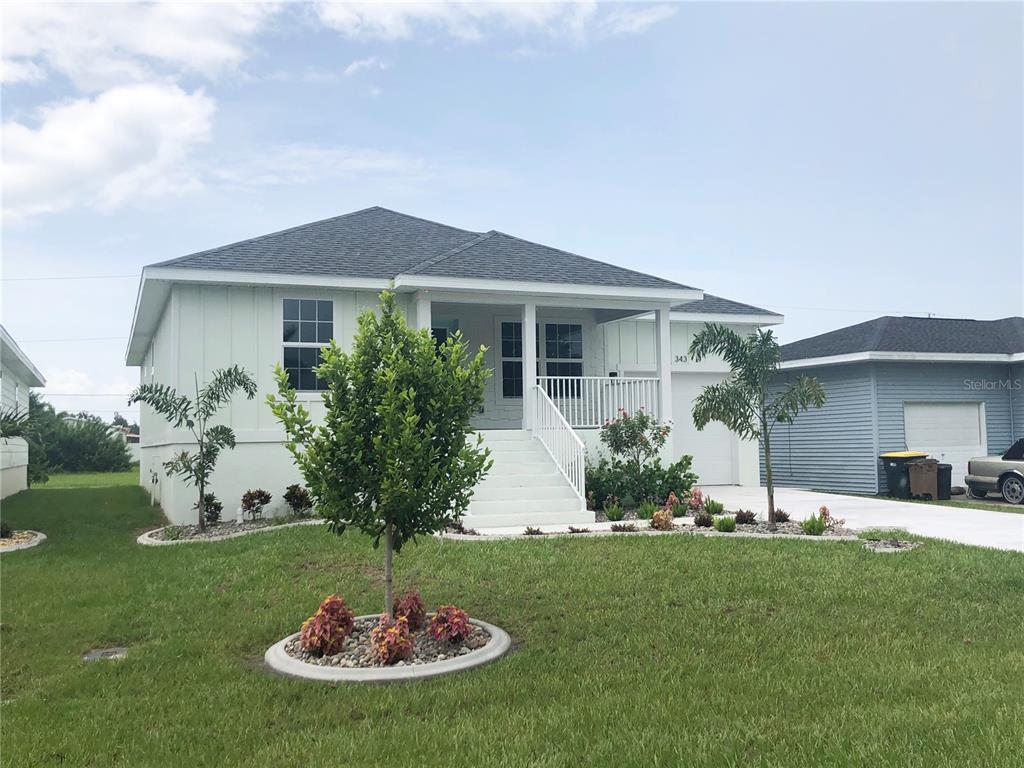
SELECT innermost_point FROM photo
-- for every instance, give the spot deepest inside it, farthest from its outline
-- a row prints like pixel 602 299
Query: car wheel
pixel 1013 489
pixel 978 493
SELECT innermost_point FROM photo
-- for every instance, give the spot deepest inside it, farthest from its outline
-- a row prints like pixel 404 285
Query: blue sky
pixel 831 161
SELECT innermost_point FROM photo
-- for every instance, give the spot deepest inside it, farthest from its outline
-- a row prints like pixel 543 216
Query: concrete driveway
pixel 981 527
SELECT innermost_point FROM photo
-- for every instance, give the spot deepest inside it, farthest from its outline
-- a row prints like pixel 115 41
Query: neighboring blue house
pixel 952 388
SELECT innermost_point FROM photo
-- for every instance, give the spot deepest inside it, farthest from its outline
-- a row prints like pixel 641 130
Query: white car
pixel 998 473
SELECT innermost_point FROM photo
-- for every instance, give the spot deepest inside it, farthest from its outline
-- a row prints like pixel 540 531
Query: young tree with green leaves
pixel 195 413
pixel 392 457
pixel 752 400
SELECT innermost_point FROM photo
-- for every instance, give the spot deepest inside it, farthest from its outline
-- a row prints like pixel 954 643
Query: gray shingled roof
pixel 380 243
pixel 716 305
pixel 914 334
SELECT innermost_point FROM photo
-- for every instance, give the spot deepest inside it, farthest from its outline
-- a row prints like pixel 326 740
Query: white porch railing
pixel 587 401
pixel 560 441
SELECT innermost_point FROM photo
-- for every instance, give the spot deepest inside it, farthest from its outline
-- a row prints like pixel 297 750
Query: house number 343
pixel 681 358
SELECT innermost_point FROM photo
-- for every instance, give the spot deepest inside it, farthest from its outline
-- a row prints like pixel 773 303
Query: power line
pixel 84 338
pixel 68 277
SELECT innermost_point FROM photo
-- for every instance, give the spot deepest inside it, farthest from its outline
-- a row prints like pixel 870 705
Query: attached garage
pixel 714 449
pixel 953 433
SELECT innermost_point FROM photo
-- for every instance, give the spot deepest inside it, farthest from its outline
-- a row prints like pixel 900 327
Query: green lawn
pixel 645 651
pixel 92 479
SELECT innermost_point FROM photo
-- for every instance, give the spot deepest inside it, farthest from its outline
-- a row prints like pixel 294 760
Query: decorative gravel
pixel 21 540
pixel 356 651
pixel 220 530
pixel 890 545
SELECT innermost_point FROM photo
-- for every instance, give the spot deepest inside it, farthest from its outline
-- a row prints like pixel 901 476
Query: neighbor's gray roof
pixel 914 334
pixel 380 243
pixel 716 305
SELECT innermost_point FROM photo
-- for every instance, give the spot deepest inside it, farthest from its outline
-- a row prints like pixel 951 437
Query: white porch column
pixel 422 310
pixel 663 339
pixel 529 361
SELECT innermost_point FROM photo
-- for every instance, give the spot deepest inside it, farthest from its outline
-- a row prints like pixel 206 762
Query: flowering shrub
pixel 662 520
pixel 745 517
pixel 674 505
pixel 325 631
pixel 391 640
pixel 410 605
pixel 297 497
pixel 830 521
pixel 695 500
pixel 450 624
pixel 253 502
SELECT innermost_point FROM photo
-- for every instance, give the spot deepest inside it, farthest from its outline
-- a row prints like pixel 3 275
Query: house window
pixel 307 326
pixel 511 359
pixel 563 352
pixel 444 331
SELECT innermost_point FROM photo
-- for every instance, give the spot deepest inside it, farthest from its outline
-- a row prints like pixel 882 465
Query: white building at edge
pixel 17 374
pixel 569 340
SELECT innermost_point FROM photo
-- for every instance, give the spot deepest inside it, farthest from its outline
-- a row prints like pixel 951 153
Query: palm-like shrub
pixel 195 413
pixel 392 457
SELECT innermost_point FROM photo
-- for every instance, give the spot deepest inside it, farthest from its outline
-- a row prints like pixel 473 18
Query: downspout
pixel 872 367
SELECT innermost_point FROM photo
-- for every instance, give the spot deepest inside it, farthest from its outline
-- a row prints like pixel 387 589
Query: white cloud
pixel 126 143
pixel 371 62
pixel 469 21
pixel 102 45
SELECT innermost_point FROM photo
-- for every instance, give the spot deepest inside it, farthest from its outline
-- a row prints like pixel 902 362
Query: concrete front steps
pixel 524 487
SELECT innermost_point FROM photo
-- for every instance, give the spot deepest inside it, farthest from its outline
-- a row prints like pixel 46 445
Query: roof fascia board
pixel 902 357
pixel 28 368
pixel 529 287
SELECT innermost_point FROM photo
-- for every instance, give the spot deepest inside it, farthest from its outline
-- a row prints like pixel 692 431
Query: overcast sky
pixel 833 162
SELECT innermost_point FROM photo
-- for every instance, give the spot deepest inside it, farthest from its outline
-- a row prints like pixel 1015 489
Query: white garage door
pixel 713 448
pixel 953 433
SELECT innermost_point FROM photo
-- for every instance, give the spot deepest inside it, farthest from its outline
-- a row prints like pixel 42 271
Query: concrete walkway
pixel 981 527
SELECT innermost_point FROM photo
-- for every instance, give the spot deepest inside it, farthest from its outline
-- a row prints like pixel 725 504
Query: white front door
pixel 953 433
pixel 714 448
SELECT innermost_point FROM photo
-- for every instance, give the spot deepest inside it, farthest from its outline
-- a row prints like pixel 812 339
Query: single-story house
pixel 569 340
pixel 951 388
pixel 17 374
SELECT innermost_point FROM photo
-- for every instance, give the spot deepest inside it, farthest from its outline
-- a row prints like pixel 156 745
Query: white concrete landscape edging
pixel 279 661
pixel 40 537
pixel 147 539
pixel 641 531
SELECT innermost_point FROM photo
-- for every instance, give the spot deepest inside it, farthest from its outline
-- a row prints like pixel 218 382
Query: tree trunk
pixel 768 481
pixel 202 506
pixel 389 588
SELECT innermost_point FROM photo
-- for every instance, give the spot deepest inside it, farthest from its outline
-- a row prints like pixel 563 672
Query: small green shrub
pixel 212 509
pixel 745 517
pixel 614 512
pixel 623 528
pixel 628 502
pixel 781 515
pixel 646 510
pixel 703 519
pixel 253 502
pixel 725 524
pixel 5 530
pixel 297 497
pixel 173 532
pixel 813 525
pixel 713 507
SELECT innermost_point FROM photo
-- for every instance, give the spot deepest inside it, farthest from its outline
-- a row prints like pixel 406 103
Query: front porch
pixel 552 385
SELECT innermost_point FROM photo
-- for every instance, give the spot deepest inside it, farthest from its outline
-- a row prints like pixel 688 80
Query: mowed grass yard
pixel 644 651
pixel 92 479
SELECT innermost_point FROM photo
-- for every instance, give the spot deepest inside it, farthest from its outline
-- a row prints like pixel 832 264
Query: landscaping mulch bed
pixel 356 651
pixel 17 539
pixel 219 530
pixel 890 545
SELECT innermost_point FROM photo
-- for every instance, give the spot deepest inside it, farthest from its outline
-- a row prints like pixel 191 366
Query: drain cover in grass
pixel 106 653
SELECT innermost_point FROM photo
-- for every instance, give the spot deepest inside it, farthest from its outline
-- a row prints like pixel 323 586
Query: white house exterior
pixel 17 374
pixel 569 339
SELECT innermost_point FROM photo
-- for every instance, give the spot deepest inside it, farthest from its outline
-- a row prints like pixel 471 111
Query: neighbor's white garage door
pixel 953 433
pixel 714 449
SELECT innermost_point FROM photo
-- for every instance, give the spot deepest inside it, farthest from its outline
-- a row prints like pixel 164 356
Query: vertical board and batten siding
pixel 1016 392
pixel 900 383
pixel 832 447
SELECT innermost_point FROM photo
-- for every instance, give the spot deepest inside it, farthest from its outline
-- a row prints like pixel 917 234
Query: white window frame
pixel 542 358
pixel 283 345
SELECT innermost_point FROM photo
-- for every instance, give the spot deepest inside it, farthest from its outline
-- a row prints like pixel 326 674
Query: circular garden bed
pixel 21 540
